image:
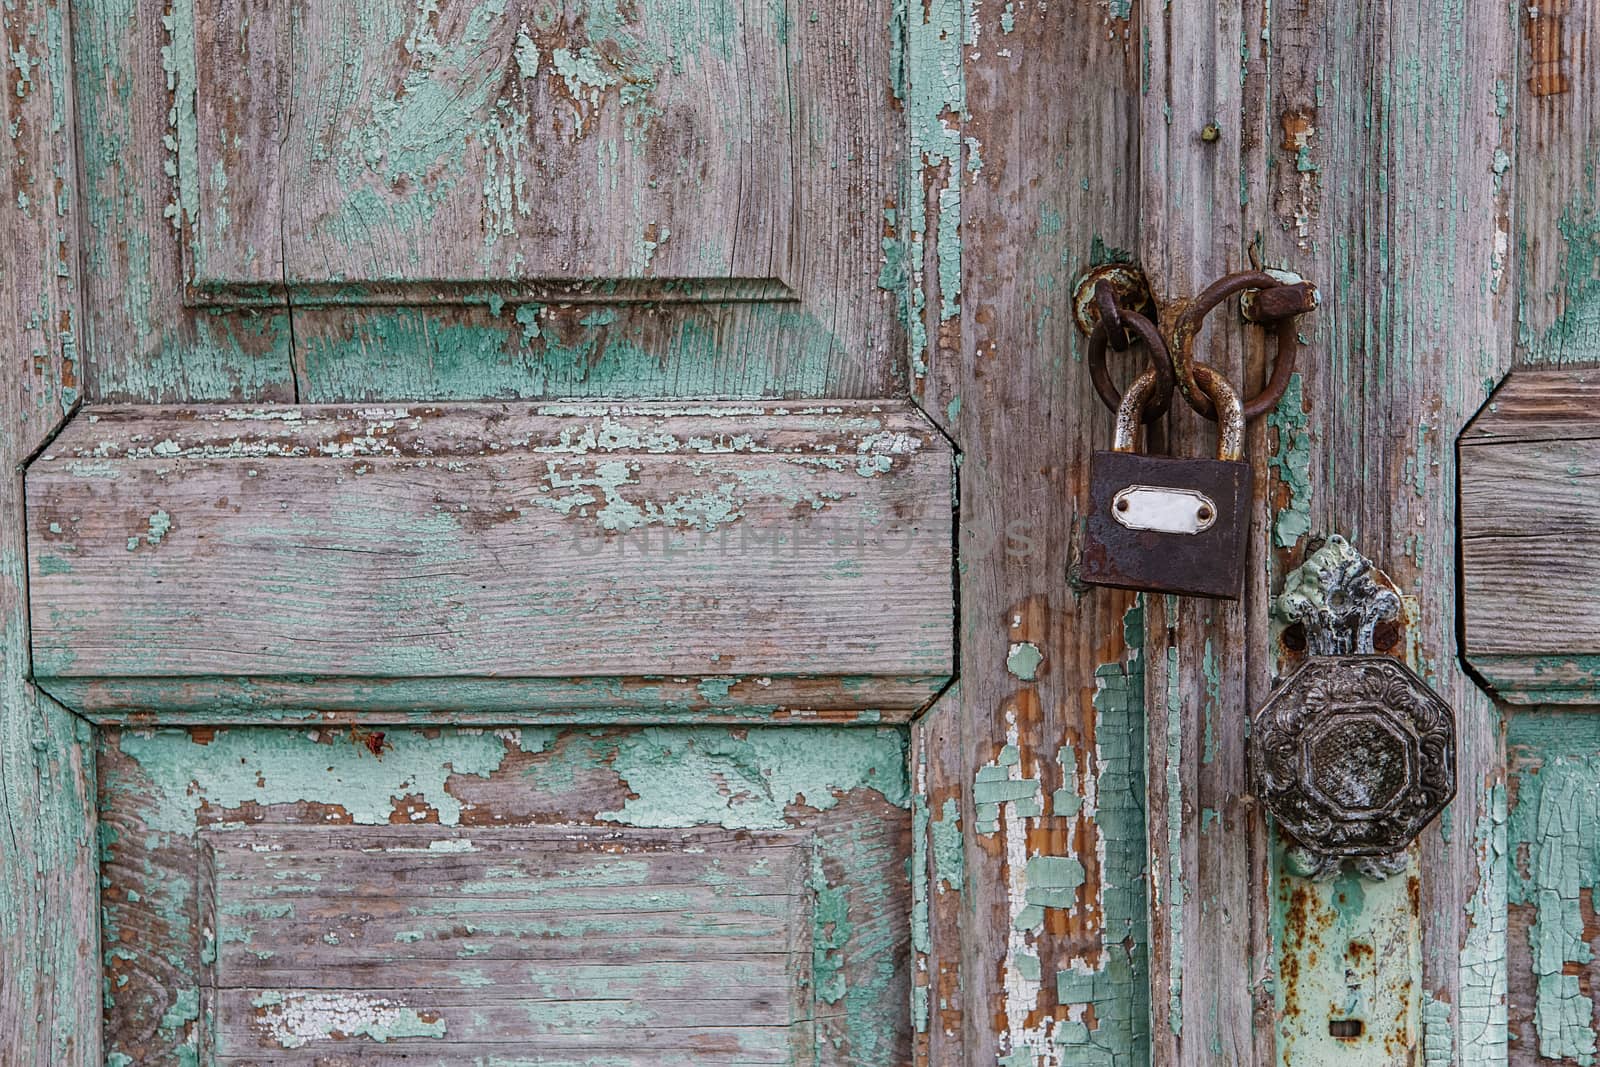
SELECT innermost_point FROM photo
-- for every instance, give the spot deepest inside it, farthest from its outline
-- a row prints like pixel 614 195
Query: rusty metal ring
pixel 1160 363
pixel 1187 326
pixel 1282 368
pixel 1106 300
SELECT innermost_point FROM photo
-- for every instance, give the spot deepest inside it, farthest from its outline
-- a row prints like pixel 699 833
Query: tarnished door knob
pixel 1353 755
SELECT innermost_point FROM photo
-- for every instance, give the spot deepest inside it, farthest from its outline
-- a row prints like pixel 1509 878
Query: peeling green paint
pixel 1438 1037
pixel 287 766
pixel 1116 985
pixel 1023 660
pixel 1000 782
pixel 1292 461
pixel 762 773
pixel 1481 989
pixel 1554 832
pixel 949 861
pixel 1068 800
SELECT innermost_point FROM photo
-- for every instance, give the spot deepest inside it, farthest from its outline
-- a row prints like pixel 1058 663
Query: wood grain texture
pixel 570 560
pixel 49 985
pixel 1201 210
pixel 384 945
pixel 1528 518
pixel 647 152
pixel 693 894
pixel 1023 121
pixel 1556 174
pixel 1388 129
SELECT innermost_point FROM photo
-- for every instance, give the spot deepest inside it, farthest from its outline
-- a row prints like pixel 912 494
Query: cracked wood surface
pixel 583 561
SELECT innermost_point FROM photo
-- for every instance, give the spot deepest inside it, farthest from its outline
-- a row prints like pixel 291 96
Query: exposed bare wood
pixel 628 558
pixel 49 968
pixel 1209 938
pixel 387 943
pixel 1553 170
pixel 277 191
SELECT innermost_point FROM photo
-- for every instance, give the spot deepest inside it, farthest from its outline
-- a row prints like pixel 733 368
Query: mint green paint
pixel 1554 834
pixel 830 934
pixel 932 87
pixel 1438 1037
pixel 949 860
pixel 1291 459
pixel 285 766
pixel 1117 984
pixel 1023 660
pixel 478 355
pixel 1363 961
pixel 1574 335
pixel 1000 782
pixel 921 934
pixel 1053 881
pixel 1068 800
pixel 759 775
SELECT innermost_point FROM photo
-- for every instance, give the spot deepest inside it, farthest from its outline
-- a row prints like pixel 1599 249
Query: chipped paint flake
pixel 1023 660
pixel 294 1020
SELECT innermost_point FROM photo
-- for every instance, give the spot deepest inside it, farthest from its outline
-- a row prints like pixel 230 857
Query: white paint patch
pixel 296 1019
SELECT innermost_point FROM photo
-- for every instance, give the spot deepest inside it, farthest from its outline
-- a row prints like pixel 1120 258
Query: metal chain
pixel 1266 300
pixel 1277 305
pixel 1126 321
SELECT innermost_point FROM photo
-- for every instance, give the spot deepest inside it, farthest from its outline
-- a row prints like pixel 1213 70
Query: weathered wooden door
pixel 545 532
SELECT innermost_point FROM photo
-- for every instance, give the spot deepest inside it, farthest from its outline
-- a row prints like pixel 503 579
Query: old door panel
pixel 1530 516
pixel 667 895
pixel 334 200
pixel 595 563
pixel 585 152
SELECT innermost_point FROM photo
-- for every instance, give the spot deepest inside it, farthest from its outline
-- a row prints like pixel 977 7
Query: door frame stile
pixel 49 878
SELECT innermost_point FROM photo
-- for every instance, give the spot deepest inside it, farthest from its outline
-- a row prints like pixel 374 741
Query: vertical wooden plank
pixel 1371 162
pixel 1550 844
pixel 1556 172
pixel 49 982
pixel 1210 996
pixel 1021 117
pixel 1390 139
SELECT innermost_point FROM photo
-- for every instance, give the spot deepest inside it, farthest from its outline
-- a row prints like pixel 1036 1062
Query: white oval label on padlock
pixel 1163 509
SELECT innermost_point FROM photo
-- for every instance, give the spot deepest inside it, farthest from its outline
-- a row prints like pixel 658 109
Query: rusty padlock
pixel 1164 524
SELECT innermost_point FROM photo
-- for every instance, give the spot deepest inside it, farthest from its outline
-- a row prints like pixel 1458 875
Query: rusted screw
pixel 1122 505
pixel 1204 513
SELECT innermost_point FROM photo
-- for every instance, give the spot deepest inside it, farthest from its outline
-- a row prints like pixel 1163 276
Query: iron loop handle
pixel 1160 398
pixel 1186 327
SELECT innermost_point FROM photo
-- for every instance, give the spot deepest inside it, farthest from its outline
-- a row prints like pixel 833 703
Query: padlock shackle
pixel 1230 427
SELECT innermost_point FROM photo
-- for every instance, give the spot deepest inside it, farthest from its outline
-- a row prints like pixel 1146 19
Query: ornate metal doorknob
pixel 1353 755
